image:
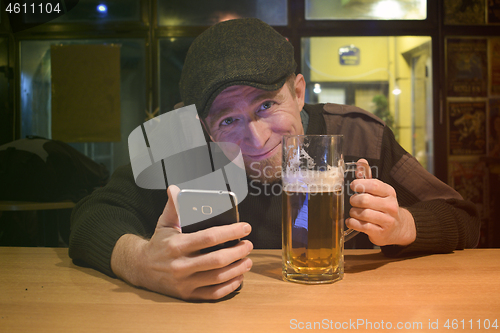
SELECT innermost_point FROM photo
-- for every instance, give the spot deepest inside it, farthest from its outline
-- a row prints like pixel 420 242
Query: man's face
pixel 256 121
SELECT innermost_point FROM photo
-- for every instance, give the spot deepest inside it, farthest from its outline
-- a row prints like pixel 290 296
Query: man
pixel 240 75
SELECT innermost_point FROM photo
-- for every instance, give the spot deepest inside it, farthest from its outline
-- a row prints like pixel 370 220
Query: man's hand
pixel 170 262
pixel 376 212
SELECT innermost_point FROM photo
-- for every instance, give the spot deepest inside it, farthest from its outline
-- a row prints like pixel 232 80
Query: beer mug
pixel 313 208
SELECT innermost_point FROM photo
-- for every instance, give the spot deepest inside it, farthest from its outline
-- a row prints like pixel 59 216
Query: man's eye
pixel 267 105
pixel 227 121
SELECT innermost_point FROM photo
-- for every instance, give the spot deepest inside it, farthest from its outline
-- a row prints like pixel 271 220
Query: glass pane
pixel 36 95
pixel 464 12
pixel 172 54
pixel 396 85
pixel 200 13
pixel 366 10
pixel 92 11
pixel 5 71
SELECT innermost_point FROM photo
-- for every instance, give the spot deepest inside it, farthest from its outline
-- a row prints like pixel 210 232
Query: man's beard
pixel 266 171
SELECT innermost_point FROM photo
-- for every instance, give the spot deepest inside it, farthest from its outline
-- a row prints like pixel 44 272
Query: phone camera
pixel 206 210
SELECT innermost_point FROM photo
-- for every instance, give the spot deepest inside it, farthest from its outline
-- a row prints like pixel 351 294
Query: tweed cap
pixel 236 52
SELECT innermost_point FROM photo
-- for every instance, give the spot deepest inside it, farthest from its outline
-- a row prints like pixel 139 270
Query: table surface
pixel 41 290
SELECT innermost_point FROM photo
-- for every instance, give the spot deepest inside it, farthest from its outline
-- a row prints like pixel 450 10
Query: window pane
pixel 200 13
pixel 36 95
pixel 462 12
pixel 5 72
pixel 93 11
pixel 366 10
pixel 395 85
pixel 172 54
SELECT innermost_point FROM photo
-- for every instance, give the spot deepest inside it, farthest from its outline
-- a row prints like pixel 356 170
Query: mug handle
pixel 363 171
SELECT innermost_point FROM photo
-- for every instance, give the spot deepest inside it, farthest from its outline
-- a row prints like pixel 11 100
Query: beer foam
pixel 329 180
pixel 307 179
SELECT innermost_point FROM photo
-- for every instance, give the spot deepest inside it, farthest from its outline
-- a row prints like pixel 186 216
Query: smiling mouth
pixel 266 154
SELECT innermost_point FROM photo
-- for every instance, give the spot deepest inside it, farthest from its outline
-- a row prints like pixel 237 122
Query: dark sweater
pixel 444 222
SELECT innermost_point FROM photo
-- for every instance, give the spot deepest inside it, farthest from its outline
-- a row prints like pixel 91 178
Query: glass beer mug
pixel 313 208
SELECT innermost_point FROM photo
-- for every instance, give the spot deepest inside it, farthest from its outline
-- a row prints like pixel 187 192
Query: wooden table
pixel 41 290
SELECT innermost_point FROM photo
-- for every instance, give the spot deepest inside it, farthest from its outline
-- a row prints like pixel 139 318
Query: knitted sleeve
pixel 443 220
pixel 100 219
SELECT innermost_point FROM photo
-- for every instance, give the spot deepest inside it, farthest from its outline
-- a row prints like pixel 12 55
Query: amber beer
pixel 312 234
pixel 313 208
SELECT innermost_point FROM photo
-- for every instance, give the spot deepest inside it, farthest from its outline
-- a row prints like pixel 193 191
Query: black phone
pixel 207 209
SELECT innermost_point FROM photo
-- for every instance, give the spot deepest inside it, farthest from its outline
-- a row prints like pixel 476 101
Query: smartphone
pixel 208 209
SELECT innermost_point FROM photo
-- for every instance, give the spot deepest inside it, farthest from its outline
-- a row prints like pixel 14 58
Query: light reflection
pixel 388 9
pixel 317 88
pixel 224 16
pixel 366 9
pixel 102 8
pixel 396 91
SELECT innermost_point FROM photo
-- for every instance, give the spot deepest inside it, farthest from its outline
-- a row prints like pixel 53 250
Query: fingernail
pixel 249 265
pixel 247 228
pixel 250 249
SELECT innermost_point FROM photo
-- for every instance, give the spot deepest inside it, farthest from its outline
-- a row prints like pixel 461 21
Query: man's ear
pixel 300 90
pixel 178 105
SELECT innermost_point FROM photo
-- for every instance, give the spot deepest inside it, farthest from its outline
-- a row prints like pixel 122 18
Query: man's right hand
pixel 170 262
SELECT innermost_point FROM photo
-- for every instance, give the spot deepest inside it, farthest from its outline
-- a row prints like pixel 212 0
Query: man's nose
pixel 258 133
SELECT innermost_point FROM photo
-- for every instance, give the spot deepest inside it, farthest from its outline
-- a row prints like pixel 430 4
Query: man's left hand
pixel 376 212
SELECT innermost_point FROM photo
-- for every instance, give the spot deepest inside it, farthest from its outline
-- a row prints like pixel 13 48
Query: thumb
pixel 363 169
pixel 169 217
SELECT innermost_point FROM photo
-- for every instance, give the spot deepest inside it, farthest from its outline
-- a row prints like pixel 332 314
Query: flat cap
pixel 236 52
